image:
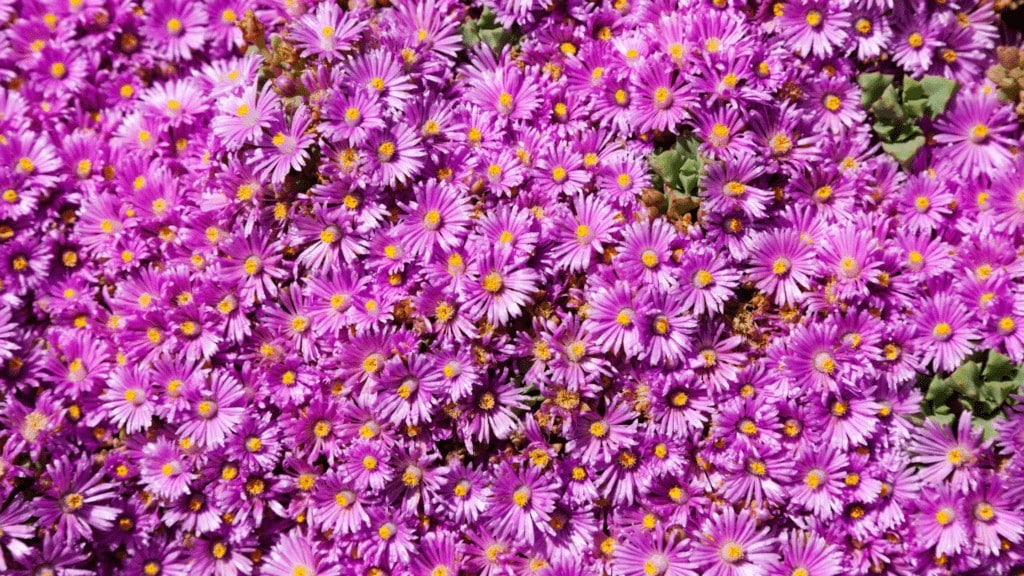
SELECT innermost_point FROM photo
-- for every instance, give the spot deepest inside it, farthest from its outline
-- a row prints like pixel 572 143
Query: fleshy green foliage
pixel 898 109
pixel 983 384
pixel 487 30
pixel 676 173
pixel 1008 74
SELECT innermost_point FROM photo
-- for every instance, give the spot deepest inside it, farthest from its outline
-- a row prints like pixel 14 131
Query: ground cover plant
pixel 553 288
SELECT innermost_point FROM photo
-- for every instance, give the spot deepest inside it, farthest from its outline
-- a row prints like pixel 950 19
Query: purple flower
pixel 941 453
pixel 498 291
pixel 522 503
pixel 731 545
pixel 327 32
pixel 286 149
pixel 944 332
pixel 75 501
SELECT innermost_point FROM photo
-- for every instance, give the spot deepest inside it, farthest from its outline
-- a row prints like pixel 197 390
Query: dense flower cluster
pixel 295 289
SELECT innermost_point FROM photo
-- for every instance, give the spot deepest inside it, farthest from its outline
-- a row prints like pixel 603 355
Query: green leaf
pixel 987 427
pixel 667 165
pixel 939 390
pixel 966 379
pixel 939 91
pixel 943 418
pixel 888 106
pixel 915 108
pixel 872 85
pixel 997 367
pixel 884 130
pixel 493 37
pixel 904 151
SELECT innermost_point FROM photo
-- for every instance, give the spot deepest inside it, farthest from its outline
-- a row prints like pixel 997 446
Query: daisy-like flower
pixel 837 104
pixel 660 100
pixel 522 503
pixel 130 399
pixel 925 202
pixel 915 44
pixel 653 554
pixel 820 489
pixel 782 266
pixel 819 360
pixel 243 120
pixel 728 186
pixel 666 327
pixel 75 501
pixel 176 102
pixel 327 32
pixel 351 116
pixel 253 264
pixel 615 318
pixel 942 521
pixel 871 33
pixel 502 171
pixel 164 470
pixel 706 281
pixel 993 519
pixel 815 27
pixel 732 545
pixel 395 155
pixel 560 170
pixel 646 253
pixel 976 130
pixel 438 218
pixel 583 235
pixel 297 553
pixel 507 92
pixel 498 290
pixel 599 436
pixel 286 149
pixel 176 27
pixel 217 408
pixel 808 554
pixel 945 334
pixel 850 256
pixel 377 72
pixel 942 454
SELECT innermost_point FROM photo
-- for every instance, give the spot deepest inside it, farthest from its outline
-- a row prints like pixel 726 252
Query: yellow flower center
pixel 832 102
pixel 624 317
pixel 731 552
pixel 174 26
pixel 983 511
pixel 492 282
pixel 679 399
pixel 521 496
pixel 1006 324
pixel 942 331
pixel 945 516
pixel 813 18
pixel 73 501
pixel 915 40
pixel 780 266
pixel 735 189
